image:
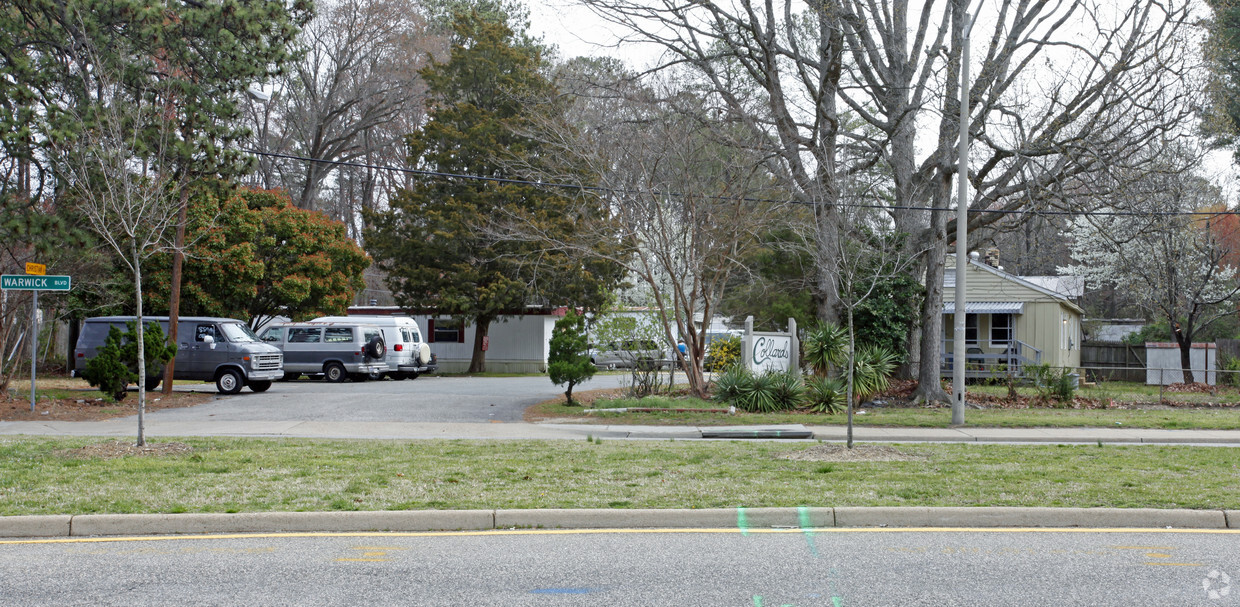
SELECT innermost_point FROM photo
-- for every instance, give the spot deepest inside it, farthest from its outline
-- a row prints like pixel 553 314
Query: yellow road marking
pixel 716 531
pixel 361 560
pixel 1157 555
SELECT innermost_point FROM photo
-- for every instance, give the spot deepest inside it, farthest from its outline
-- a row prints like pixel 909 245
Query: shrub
pixel 568 361
pixel 115 366
pixel 732 383
pixel 873 368
pixel 825 345
pixel 1055 383
pixel 763 393
pixel 723 353
pixel 787 389
pixel 1231 374
pixel 824 394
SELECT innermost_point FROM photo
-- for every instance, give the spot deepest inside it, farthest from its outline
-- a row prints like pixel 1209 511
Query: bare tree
pixel 110 173
pixel 775 75
pixel 671 187
pixel 351 97
pixel 1062 91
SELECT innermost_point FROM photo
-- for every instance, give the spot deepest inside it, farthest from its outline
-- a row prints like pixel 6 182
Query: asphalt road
pixel 426 399
pixel 639 568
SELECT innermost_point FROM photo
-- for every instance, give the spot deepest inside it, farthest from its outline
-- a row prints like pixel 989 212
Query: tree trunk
pixel 929 389
pixel 482 327
pixel 174 295
pixel 137 286
pixel 1186 353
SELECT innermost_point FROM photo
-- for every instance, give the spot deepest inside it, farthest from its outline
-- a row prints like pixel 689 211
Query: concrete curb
pixel 743 519
pixel 1030 517
pixel 277 522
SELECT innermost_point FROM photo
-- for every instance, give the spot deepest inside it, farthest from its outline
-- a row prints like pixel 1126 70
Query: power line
pixel 851 205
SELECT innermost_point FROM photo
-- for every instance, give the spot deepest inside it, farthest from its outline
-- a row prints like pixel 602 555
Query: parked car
pixel 336 351
pixel 222 350
pixel 408 355
pixel 641 353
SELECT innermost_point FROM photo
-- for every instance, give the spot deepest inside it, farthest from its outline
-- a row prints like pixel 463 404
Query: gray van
pixel 223 350
pixel 337 351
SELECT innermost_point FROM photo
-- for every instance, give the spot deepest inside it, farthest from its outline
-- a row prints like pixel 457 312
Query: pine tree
pixel 569 359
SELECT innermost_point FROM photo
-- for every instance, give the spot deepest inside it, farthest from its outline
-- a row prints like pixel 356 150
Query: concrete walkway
pixel 550 431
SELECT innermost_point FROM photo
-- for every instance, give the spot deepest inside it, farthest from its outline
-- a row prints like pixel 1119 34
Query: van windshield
pixel 237 332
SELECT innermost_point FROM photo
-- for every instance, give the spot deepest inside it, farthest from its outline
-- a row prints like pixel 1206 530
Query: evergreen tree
pixel 438 243
pixel 569 359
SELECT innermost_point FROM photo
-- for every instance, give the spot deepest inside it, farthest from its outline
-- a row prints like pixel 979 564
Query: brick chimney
pixel 992 257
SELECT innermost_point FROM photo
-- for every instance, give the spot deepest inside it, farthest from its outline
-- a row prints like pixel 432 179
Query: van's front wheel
pixel 229 381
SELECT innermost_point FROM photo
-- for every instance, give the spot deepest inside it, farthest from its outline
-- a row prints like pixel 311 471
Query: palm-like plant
pixel 824 394
pixel 872 369
pixel 825 346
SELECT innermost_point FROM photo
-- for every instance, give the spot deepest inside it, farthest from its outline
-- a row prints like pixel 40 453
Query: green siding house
pixel 1012 321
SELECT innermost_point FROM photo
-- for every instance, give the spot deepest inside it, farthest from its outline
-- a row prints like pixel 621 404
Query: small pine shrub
pixel 115 366
pixel 569 359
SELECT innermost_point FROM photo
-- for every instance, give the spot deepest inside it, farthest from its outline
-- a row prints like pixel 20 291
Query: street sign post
pixel 22 282
pixel 34 284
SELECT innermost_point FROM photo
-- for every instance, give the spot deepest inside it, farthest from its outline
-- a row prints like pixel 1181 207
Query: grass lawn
pixel 1112 404
pixel 250 475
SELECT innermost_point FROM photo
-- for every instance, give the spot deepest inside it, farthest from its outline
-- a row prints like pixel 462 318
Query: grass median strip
pixel 39 476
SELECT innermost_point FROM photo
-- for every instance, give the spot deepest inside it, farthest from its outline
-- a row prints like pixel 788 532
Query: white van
pixel 337 351
pixel 408 354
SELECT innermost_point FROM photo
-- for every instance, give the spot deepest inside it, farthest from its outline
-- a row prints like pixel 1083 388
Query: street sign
pixel 21 282
pixel 36 268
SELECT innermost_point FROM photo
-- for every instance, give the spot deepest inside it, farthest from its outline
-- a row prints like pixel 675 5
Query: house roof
pixel 1065 285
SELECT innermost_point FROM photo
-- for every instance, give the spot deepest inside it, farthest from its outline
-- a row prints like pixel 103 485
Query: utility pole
pixel 962 230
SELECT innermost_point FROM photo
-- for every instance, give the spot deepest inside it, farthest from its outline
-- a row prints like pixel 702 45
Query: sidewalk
pixel 552 431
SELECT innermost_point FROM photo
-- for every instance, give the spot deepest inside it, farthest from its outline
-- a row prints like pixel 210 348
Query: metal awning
pixel 987 307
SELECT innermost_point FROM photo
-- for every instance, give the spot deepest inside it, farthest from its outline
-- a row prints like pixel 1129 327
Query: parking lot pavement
pixel 426 399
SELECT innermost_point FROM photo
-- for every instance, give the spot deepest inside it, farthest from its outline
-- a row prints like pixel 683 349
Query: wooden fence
pixel 1115 362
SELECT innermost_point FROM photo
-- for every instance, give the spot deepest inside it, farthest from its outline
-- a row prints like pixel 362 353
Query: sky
pixel 577 31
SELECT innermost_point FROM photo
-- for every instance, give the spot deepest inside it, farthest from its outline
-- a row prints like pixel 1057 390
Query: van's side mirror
pixel 207 339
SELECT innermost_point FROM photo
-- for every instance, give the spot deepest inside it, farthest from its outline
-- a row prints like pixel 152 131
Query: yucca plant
pixel 873 366
pixel 824 394
pixel 761 395
pixel 825 346
pixel 787 389
pixel 731 384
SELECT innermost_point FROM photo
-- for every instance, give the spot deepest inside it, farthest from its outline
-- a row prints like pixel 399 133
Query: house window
pixel 970 329
pixel 1001 329
pixel 448 331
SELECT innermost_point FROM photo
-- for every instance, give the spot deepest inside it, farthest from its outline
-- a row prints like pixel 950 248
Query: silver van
pixel 408 355
pixel 223 350
pixel 337 351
